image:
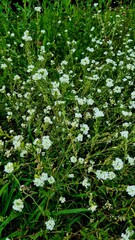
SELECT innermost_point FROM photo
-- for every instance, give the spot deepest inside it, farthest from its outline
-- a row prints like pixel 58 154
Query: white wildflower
pixel 109 82
pixel 81 160
pixel 124 134
pixel 51 180
pixel 18 205
pixel 3 66
pixel 117 164
pixel 93 207
pixel 9 167
pixel 26 36
pixel 127 235
pixel 64 78
pixel 105 175
pixel 90 101
pixel 79 138
pixel 84 128
pixel 46 142
pixel 37 9
pixel 98 113
pixel 38 182
pixel 73 159
pixel 62 199
pixel 50 224
pixel 48 120
pixel 16 77
pixel 17 141
pixel 85 183
pixel 71 175
pixel 117 89
pixel 85 61
pixel 131 190
pixel 131 160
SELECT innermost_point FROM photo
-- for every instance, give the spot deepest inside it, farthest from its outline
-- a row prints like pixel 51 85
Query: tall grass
pixel 67 121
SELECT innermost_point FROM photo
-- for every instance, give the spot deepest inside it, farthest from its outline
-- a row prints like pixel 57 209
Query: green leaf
pixel 8 220
pixel 4 188
pixel 71 211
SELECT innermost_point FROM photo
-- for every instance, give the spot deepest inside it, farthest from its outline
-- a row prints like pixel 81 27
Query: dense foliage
pixel 67 133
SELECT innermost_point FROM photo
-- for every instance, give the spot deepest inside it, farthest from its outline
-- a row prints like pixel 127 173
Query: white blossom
pixel 62 199
pixel 26 36
pixel 51 180
pixel 98 113
pixel 105 175
pixel 85 182
pixel 73 159
pixel 37 9
pixel 18 205
pixel 9 168
pixel 85 61
pixel 46 142
pixel 64 78
pixel 50 224
pixel 124 134
pixel 131 190
pixel 117 164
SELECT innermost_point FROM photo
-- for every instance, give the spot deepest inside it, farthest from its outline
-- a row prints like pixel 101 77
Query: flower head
pixel 9 168
pixel 18 205
pixel 117 164
pixel 50 224
pixel 131 190
pixel 37 9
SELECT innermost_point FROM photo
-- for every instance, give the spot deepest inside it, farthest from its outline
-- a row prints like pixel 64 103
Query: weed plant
pixel 67 131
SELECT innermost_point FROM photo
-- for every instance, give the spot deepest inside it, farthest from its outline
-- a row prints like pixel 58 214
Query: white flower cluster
pixel 1 144
pixel 133 95
pixel 30 68
pixel 3 66
pixel 50 224
pixel 62 199
pixel 42 73
pixel 117 89
pixel 73 159
pixel 79 138
pixel 16 77
pixel 84 128
pixel 124 134
pixel 131 160
pixel 40 180
pixel 18 205
pixel 98 113
pixel 93 207
pixel 105 175
pixel 64 78
pixel 47 120
pixel 131 190
pixel 85 182
pixel 125 113
pixel 109 82
pixel 117 164
pixel 46 142
pixel 26 36
pixel 127 235
pixel 37 9
pixel 85 61
pixel 9 167
pixel 81 101
pixel 17 140
pixel 55 89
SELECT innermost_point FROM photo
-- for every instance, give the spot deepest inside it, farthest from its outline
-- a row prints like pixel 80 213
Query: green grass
pixel 67 122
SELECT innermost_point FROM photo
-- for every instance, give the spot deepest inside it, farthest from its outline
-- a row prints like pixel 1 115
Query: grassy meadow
pixel 67 132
